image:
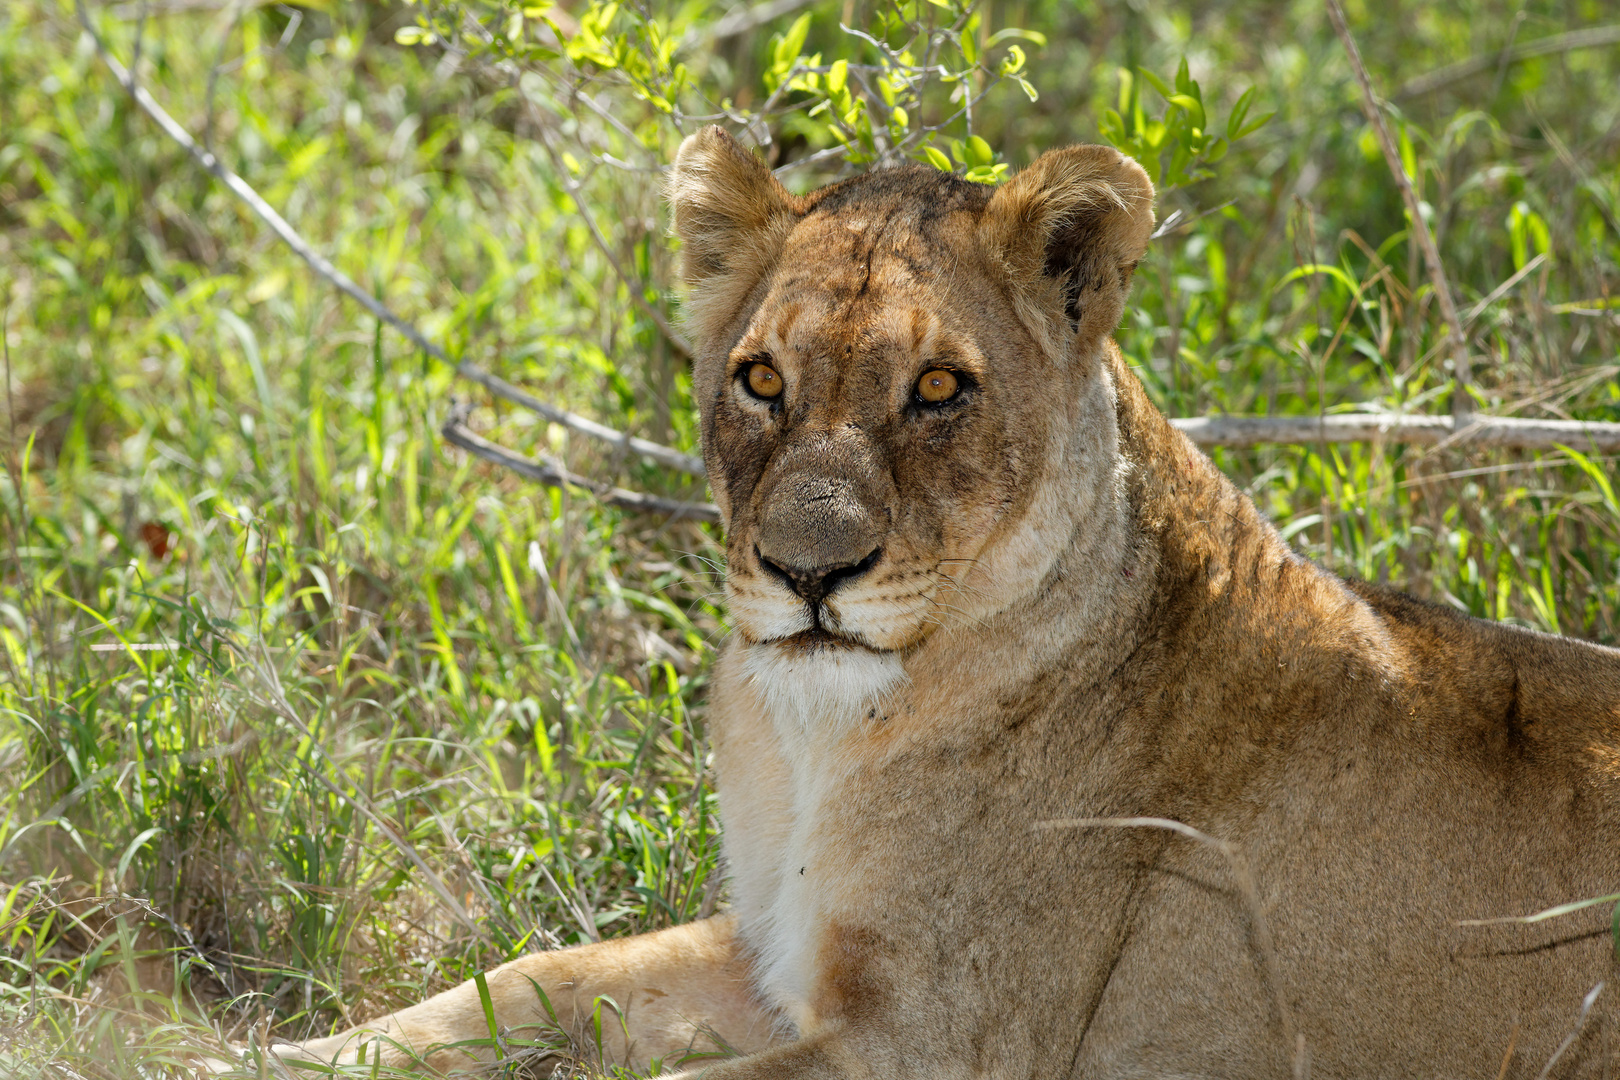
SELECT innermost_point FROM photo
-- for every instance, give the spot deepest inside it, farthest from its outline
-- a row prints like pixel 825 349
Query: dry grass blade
pixel 1569 1040
pixel 1543 916
pixel 1243 878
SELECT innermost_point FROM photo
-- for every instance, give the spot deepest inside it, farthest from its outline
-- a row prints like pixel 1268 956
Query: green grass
pixel 373 655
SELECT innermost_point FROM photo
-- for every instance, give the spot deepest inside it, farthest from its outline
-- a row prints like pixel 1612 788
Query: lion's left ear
pixel 1072 227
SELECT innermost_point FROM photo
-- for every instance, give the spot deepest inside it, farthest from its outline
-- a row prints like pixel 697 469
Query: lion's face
pixel 887 409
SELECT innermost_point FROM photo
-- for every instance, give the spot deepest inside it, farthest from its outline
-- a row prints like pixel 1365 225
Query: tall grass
pixel 304 715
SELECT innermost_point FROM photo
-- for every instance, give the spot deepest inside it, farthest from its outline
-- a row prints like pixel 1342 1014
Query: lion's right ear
pixel 1071 229
pixel 732 217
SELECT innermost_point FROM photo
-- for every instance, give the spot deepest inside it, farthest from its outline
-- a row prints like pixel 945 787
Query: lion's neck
pixel 1060 590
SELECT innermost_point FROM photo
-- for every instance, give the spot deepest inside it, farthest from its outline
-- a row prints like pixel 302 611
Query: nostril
pixel 775 569
pixel 815 583
pixel 840 574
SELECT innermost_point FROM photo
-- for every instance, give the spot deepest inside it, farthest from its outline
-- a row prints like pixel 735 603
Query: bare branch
pixel 317 262
pixel 1499 432
pixel 553 473
pixel 740 20
pixel 1591 37
pixel 1460 403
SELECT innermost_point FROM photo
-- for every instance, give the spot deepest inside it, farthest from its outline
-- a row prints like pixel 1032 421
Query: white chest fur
pixel 782 729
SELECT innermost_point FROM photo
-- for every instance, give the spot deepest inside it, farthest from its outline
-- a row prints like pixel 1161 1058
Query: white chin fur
pixel 820 688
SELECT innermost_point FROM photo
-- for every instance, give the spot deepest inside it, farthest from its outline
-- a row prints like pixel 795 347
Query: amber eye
pixel 764 381
pixel 937 386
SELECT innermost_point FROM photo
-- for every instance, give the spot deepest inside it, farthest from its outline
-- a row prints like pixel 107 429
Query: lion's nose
pixel 817 582
pixel 818 532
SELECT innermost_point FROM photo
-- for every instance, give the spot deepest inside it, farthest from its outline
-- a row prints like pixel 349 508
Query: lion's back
pixel 1515 699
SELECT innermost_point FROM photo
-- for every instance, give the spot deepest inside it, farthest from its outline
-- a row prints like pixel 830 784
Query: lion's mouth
pixel 820 638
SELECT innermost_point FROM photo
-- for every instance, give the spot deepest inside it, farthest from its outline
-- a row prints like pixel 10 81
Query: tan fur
pixel 1047 604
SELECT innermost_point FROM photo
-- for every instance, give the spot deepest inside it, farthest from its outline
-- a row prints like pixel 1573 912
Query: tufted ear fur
pixel 1070 229
pixel 732 217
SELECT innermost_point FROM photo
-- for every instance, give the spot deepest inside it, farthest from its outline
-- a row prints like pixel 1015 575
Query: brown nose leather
pixel 818 532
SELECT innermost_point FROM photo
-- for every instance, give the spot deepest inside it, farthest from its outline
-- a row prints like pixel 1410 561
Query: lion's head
pixel 906 417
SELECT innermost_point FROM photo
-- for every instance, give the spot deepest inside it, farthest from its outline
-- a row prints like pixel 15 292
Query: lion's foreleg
pixel 659 996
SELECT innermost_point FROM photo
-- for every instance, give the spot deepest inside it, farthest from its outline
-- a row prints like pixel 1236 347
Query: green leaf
pixel 792 43
pixel 1320 268
pixel 1240 111
pixel 937 159
pixel 1033 36
pixel 1601 479
pixel 1156 82
pixel 979 152
pixel 489 1014
pixel 135 845
pixel 837 77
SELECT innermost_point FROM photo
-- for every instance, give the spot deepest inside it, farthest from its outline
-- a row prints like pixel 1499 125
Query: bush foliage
pixel 304 715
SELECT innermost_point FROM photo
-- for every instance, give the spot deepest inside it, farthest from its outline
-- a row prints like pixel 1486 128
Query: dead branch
pixel 553 473
pixel 652 451
pixel 1591 37
pixel 1501 432
pixel 1460 403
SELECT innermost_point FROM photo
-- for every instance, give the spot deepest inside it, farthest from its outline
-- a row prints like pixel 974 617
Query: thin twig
pixel 1206 431
pixel 554 474
pixel 1592 37
pixel 1461 405
pixel 638 292
pixel 652 451
pixel 1293 1039
pixel 1507 1055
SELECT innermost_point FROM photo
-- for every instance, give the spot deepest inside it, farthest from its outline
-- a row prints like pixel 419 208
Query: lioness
pixel 981 589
